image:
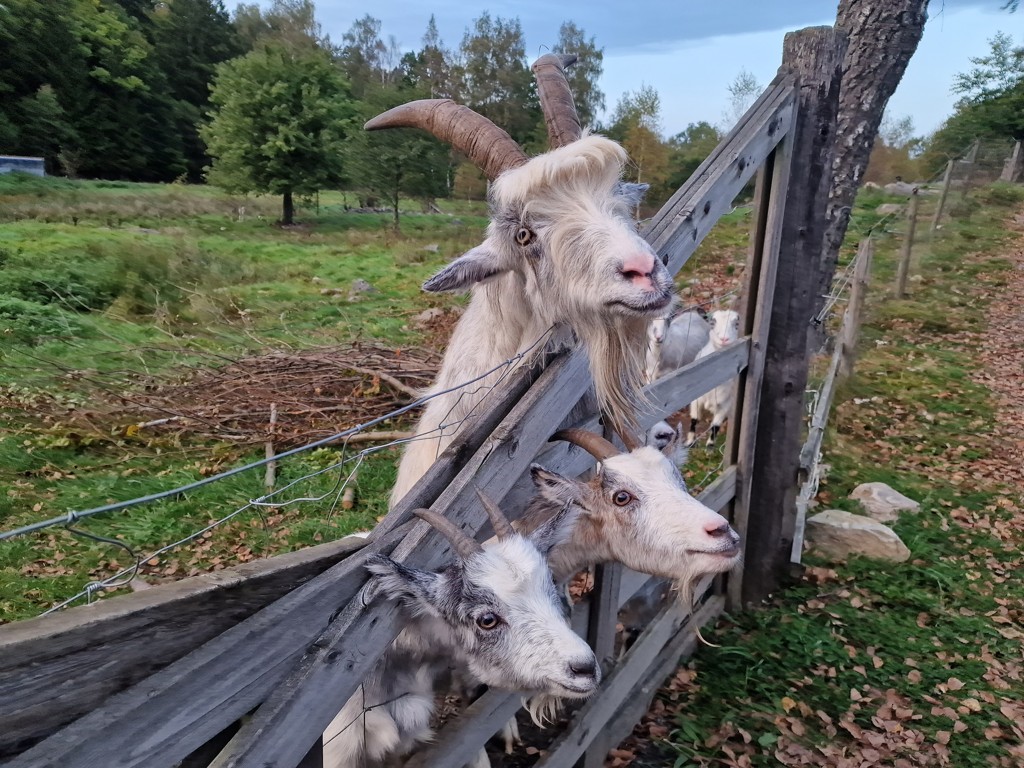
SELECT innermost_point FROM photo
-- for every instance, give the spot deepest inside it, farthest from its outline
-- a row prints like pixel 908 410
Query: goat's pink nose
pixel 638 269
pixel 717 530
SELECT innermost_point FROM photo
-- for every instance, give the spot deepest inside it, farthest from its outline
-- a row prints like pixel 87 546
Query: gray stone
pixel 427 316
pixel 837 534
pixel 882 503
pixel 886 208
pixel 432 248
pixel 900 188
pixel 361 286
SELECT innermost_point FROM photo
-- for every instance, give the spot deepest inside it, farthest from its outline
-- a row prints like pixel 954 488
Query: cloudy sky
pixel 690 50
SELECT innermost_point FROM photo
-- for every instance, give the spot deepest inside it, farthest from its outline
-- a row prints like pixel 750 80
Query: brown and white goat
pixel 635 510
pixel 562 260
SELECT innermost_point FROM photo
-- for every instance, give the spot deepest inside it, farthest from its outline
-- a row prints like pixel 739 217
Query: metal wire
pixel 506 366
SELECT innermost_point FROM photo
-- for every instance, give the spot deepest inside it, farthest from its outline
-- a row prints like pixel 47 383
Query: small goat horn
pixel 593 444
pixel 556 99
pixel 628 440
pixel 485 144
pixel 464 545
pixel 502 527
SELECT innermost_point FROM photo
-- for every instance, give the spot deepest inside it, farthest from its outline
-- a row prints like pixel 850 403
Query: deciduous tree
pixel 585 75
pixel 280 120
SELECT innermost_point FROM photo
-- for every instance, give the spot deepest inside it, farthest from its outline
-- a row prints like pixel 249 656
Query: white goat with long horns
pixel 495 611
pixel 561 256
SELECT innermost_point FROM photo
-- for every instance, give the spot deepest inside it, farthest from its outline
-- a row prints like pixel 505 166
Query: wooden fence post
pixel 815 57
pixel 946 177
pixel 971 164
pixel 1013 166
pixel 908 247
pixel 850 333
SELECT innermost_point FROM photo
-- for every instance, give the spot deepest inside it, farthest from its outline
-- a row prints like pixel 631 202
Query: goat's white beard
pixel 615 347
pixel 543 708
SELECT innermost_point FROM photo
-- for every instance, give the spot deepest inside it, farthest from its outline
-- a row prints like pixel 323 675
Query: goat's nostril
pixel 718 531
pixel 587 668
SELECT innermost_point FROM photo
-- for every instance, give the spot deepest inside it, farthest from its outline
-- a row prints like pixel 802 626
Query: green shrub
pixel 30 323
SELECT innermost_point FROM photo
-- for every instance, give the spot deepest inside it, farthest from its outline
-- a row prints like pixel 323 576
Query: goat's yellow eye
pixel 524 236
pixel 488 621
pixel 622 498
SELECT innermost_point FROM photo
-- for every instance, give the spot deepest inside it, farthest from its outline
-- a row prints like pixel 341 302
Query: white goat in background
pixel 685 337
pixel 562 254
pixel 494 610
pixel 725 329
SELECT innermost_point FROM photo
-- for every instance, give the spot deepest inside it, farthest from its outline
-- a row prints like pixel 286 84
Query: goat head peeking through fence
pixel 561 256
pixel 494 611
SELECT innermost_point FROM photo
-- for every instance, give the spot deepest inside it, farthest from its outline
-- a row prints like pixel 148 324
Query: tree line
pixel 262 100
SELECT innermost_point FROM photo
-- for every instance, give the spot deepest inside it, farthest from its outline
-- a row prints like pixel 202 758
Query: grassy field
pixel 107 289
pixel 111 292
pixel 873 664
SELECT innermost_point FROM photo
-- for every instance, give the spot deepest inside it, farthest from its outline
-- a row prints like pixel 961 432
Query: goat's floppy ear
pixel 632 193
pixel 475 266
pixel 555 530
pixel 398 582
pixel 554 487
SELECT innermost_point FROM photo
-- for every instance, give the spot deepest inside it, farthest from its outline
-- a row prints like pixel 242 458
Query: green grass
pixel 883 664
pixel 106 284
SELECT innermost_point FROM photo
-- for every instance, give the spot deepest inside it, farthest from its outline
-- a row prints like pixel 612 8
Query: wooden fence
pixel 246 667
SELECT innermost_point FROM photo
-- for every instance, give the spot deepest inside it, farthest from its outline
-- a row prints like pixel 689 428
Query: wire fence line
pixel 347 468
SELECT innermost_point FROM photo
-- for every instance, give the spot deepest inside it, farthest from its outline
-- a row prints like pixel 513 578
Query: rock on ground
pixel 883 503
pixel 837 534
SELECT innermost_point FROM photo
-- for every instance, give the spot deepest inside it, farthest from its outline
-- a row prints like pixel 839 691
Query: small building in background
pixel 12 163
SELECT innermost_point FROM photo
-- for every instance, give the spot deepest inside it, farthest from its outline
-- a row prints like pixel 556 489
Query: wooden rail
pixel 290 657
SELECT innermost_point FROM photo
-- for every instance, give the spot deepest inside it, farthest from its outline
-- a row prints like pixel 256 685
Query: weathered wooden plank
pixel 755 312
pixel 55 668
pixel 596 713
pixel 814 56
pixel 907 248
pixel 849 335
pixel 708 194
pixel 638 702
pixel 162 719
pixel 294 715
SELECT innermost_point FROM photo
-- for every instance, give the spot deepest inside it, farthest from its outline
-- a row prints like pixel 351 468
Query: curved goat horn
pixel 593 444
pixel 502 527
pixel 485 144
pixel 464 545
pixel 556 99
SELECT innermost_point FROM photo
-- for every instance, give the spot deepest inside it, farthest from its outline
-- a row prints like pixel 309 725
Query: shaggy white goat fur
pixel 725 329
pixel 685 336
pixel 562 255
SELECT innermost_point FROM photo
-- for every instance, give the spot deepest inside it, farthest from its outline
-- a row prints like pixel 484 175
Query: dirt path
pixel 1002 353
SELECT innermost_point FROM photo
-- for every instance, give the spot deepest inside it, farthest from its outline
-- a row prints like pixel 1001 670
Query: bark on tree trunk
pixel 883 36
pixel 288 209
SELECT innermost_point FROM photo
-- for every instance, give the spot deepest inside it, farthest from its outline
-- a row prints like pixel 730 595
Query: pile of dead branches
pixel 290 397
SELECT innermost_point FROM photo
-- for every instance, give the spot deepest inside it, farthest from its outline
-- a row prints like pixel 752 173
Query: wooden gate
pixel 246 667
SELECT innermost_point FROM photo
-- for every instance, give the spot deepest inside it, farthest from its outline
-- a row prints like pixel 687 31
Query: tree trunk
pixel 883 36
pixel 288 212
